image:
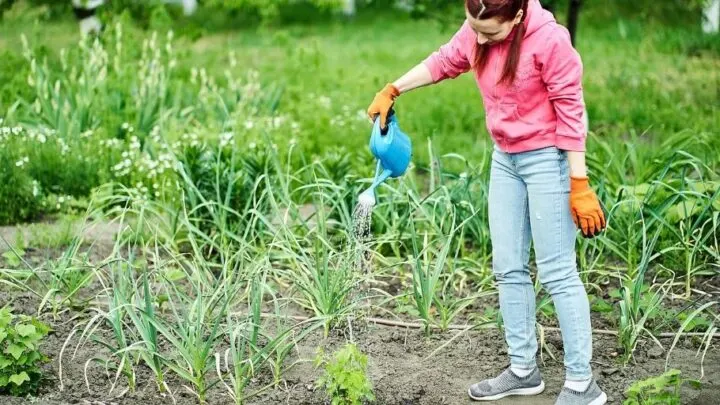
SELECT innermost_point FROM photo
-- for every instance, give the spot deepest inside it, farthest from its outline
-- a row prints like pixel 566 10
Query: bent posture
pixel 530 79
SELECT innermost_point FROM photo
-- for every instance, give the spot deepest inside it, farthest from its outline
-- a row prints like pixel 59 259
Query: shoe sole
pixel 601 400
pixel 519 391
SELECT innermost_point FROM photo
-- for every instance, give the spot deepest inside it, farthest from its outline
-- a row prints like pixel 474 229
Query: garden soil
pixel 405 366
pixel 401 368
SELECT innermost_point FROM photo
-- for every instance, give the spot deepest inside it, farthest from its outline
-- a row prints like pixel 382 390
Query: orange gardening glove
pixel 585 207
pixel 382 103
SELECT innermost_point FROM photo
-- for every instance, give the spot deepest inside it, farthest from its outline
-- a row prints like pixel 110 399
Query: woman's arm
pixel 418 76
pixel 449 61
pixel 577 164
pixel 562 72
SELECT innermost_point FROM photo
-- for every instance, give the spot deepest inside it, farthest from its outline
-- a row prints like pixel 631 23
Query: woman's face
pixel 491 30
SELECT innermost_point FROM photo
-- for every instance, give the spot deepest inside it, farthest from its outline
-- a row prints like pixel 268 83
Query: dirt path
pixel 100 234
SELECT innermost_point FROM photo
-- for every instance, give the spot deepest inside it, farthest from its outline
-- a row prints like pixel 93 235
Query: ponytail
pixel 513 58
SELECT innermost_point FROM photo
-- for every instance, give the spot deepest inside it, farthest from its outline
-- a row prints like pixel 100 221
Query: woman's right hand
pixel 382 103
pixel 585 207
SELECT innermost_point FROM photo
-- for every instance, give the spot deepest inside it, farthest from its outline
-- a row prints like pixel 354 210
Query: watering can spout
pixel 368 196
pixel 381 177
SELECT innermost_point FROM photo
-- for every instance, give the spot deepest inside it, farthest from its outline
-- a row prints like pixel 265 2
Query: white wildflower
pixel 277 121
pixel 325 101
pixel 225 138
pixel 134 142
pixel 22 161
pixel 233 60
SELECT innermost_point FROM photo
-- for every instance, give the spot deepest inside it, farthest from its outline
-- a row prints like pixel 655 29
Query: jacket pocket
pixel 507 122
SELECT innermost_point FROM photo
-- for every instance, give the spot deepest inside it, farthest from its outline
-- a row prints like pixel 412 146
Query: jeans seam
pixel 521 240
pixel 563 171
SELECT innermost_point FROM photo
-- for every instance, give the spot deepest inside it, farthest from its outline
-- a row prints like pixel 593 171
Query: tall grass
pixel 235 195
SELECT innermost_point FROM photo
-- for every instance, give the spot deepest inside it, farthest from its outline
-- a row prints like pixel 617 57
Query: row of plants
pixel 188 276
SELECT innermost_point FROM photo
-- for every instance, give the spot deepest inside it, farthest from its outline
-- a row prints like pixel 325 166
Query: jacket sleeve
pixel 562 72
pixel 451 59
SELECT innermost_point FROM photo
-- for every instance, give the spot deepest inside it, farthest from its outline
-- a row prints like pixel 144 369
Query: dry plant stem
pixel 411 325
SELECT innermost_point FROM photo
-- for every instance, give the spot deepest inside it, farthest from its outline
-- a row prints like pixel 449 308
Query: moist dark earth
pixel 401 366
pixel 400 369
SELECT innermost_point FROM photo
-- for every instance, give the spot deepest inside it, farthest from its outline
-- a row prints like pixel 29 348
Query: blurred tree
pixel 573 14
pixel 711 17
pixel 271 9
pixel 549 5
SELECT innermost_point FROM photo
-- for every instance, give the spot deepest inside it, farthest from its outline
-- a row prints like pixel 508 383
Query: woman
pixel 529 76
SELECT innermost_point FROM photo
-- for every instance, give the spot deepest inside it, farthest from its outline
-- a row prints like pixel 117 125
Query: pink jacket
pixel 544 106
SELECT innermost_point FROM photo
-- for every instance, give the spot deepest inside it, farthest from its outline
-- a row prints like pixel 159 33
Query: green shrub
pixel 270 10
pixel 18 195
pixel 663 389
pixel 13 76
pixel 20 357
pixel 345 380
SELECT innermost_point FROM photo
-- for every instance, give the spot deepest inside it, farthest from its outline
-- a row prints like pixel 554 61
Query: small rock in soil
pixel 610 371
pixel 655 352
pixel 556 341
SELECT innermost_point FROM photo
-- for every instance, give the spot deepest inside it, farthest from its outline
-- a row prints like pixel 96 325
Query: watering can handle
pixel 384 131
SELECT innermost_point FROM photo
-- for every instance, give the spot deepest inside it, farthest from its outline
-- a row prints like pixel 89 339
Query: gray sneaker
pixel 507 384
pixel 593 395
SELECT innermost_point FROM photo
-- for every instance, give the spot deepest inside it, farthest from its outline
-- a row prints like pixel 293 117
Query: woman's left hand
pixel 585 207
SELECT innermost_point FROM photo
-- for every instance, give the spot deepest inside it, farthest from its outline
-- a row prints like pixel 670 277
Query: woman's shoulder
pixel 552 34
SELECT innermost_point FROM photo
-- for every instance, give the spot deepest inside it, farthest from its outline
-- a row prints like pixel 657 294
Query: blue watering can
pixel 392 149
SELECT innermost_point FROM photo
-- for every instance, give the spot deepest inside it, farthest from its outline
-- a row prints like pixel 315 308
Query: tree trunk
pixel 348 8
pixel 711 17
pixel 548 5
pixel 573 14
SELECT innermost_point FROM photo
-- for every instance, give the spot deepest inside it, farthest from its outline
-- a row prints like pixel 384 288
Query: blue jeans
pixel 529 200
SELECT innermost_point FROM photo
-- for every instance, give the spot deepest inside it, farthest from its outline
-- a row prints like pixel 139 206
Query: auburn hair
pixel 504 10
